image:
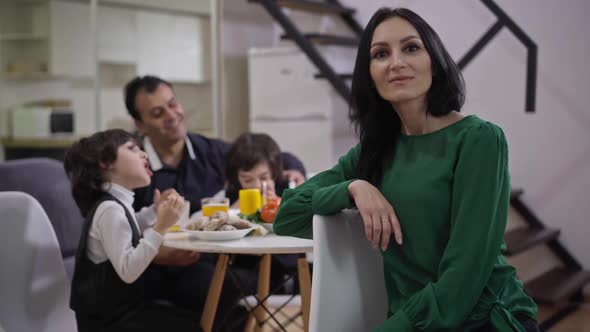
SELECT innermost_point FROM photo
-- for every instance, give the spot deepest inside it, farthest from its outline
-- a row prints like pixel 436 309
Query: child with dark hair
pixel 254 161
pixel 109 286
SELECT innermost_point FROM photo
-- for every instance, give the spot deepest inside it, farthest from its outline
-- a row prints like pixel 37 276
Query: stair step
pixel 516 193
pixel 521 239
pixel 328 39
pixel 342 76
pixel 314 6
pixel 557 285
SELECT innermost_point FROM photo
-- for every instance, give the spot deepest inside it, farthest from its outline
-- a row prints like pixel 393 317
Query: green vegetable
pixel 254 217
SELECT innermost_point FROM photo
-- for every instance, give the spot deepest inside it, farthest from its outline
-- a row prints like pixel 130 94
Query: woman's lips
pixel 400 79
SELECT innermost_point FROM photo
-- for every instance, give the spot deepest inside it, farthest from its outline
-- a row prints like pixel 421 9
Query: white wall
pixel 550 149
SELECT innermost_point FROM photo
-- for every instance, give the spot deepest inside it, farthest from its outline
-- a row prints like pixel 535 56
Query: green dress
pixel 450 190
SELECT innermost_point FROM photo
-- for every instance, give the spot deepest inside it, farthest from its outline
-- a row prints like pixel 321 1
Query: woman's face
pixel 253 178
pixel 131 169
pixel 400 66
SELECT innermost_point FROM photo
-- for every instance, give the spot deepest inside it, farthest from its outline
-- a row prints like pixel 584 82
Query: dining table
pixel 263 245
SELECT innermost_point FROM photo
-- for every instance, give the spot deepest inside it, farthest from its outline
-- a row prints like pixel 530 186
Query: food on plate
pixel 227 227
pixel 219 221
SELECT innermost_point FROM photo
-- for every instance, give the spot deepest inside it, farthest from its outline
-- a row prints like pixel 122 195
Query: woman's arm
pixel 480 202
pixel 325 193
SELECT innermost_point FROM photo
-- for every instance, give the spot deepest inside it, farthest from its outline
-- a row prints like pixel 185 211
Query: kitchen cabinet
pixel 170 46
pixel 45 39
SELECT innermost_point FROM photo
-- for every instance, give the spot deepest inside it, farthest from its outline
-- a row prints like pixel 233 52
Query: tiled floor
pixel 289 311
pixel 576 322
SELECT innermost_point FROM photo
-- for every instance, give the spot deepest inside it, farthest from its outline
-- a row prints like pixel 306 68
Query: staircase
pixel 309 41
pixel 561 286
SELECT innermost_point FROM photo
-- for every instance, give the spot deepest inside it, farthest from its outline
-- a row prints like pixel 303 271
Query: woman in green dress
pixel 432 180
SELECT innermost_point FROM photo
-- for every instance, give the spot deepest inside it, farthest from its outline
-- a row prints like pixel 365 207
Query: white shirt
pixel 155 162
pixel 110 235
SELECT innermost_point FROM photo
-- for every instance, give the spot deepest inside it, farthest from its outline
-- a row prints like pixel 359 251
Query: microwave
pixel 41 122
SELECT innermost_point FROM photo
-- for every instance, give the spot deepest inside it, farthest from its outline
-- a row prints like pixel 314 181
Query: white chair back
pixel 348 290
pixel 34 287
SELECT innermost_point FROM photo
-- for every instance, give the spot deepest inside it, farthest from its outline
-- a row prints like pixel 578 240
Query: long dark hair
pixel 248 150
pixel 85 164
pixel 374 118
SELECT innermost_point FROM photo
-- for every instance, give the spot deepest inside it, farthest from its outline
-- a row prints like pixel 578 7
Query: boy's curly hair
pixel 86 162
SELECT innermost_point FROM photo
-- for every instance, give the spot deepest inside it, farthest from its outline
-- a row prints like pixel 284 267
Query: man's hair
pixel 146 83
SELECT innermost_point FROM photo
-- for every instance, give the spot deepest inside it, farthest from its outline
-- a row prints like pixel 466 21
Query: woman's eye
pixel 412 48
pixel 379 54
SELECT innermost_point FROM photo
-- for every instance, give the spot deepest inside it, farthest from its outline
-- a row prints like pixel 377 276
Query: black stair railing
pixel 273 7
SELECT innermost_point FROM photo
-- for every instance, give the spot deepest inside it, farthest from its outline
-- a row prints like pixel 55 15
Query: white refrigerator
pixel 291 105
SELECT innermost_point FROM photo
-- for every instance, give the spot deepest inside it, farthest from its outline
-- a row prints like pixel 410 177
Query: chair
pixel 33 283
pixel 348 291
pixel 46 180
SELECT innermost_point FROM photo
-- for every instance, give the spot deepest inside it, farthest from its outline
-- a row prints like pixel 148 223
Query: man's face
pixel 162 116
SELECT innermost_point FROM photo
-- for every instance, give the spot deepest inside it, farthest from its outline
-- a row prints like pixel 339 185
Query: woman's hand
pixel 378 215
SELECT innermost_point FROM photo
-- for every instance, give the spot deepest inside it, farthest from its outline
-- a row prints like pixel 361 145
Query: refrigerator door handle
pixel 304 117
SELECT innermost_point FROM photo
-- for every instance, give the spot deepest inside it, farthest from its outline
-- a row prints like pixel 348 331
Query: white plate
pixel 219 235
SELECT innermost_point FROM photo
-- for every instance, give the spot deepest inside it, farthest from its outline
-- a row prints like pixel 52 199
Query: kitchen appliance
pixel 290 104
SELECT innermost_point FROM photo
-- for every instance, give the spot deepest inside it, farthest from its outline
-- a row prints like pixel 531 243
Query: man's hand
pixel 295 176
pixel 176 257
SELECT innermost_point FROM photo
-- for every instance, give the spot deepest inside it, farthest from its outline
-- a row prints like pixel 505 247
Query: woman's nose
pixel 397 60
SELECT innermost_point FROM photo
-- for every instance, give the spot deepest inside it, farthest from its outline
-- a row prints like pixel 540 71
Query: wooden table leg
pixel 263 290
pixel 304 289
pixel 214 292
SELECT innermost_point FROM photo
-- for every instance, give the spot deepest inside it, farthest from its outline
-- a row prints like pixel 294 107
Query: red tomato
pixel 269 211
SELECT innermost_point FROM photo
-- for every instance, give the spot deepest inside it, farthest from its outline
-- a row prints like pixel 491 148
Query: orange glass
pixel 211 205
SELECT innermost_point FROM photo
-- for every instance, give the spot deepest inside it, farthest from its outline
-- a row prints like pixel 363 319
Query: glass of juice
pixel 211 205
pixel 250 200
